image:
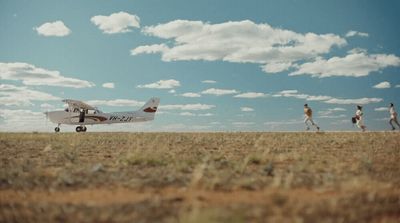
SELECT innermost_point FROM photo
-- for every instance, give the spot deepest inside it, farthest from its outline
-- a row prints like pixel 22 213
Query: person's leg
pixel 391 123
pixel 363 127
pixel 313 123
pixel 395 121
pixel 306 119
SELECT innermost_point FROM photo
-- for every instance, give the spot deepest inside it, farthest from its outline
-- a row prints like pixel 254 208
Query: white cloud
pixel 352 33
pixel 250 95
pixel 296 94
pixel 397 86
pixel 275 67
pixel 325 98
pixel 330 111
pixel 382 85
pixel 191 95
pixel 120 22
pixel 108 85
pixel 381 109
pixel 218 92
pixel 162 84
pixel 359 101
pixel 238 42
pixel 187 107
pixel 246 109
pixel 352 65
pixel 11 95
pixel 172 91
pixel 46 106
pixel 17 120
pixel 31 75
pixel 193 114
pixel 116 103
pixel 332 116
pixel 209 82
pixel 187 114
pixel 56 28
pixel 155 48
pixel 206 114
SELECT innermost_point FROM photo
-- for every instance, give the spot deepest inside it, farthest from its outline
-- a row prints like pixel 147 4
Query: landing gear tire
pixel 57 129
pixel 81 129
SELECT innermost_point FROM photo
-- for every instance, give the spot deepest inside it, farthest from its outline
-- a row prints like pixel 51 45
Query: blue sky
pixel 265 59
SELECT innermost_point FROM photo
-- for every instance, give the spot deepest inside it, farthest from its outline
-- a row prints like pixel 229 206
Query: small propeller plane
pixel 82 114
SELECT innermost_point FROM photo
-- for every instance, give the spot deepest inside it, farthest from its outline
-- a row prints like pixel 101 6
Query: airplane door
pixel 82 116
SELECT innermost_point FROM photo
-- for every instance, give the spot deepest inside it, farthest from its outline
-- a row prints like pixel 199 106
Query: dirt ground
pixel 200 177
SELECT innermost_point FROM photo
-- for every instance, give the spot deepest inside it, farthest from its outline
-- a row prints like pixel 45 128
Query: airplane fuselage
pixel 77 118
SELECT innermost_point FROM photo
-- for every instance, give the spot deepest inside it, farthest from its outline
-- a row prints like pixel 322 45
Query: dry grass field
pixel 200 177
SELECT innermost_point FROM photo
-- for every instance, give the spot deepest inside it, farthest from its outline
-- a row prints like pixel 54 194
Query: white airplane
pixel 82 114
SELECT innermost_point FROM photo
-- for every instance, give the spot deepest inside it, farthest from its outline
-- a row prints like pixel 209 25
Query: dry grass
pixel 200 177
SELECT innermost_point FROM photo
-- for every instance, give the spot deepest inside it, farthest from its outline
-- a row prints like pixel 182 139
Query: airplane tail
pixel 150 107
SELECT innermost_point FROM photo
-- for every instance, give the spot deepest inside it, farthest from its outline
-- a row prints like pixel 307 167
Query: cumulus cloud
pixel 325 98
pixel 238 42
pixel 352 33
pixel 358 101
pixel 381 109
pixel 330 111
pixel 209 82
pixel 296 94
pixel 149 49
pixel 120 22
pixel 56 28
pixel 353 65
pixel 191 95
pixel 116 103
pixel 218 92
pixel 187 107
pixel 162 84
pixel 246 109
pixel 251 95
pixel 187 114
pixel 31 75
pixel 382 85
pixel 108 85
pixel 46 106
pixel 193 114
pixel 17 120
pixel 276 67
pixel 11 95
pixel 397 86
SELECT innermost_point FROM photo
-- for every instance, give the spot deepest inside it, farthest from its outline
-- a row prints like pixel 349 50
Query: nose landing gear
pixel 57 129
pixel 81 129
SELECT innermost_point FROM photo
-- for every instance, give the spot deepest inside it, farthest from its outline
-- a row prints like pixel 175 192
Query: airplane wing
pixel 78 104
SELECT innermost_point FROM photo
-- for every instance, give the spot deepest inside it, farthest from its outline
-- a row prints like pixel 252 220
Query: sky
pixel 216 65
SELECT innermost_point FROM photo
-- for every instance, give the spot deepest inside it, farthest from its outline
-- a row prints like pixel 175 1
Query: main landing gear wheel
pixel 57 129
pixel 81 129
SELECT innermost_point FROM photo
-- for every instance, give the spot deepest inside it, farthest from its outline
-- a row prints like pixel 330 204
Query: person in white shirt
pixel 308 117
pixel 360 119
pixel 393 116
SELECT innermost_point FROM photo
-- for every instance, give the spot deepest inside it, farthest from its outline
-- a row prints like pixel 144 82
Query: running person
pixel 308 117
pixel 360 119
pixel 393 116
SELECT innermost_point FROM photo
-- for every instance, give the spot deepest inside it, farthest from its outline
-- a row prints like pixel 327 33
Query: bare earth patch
pixel 200 177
